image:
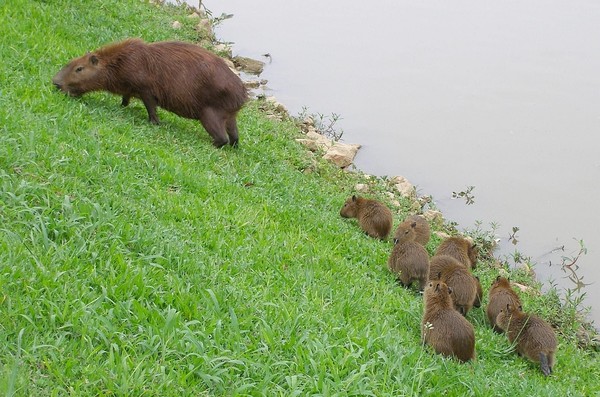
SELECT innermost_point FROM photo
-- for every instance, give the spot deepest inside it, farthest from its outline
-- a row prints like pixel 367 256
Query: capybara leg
pixel 150 103
pixel 213 122
pixel 125 100
pixel 544 364
pixel 404 280
pixel 232 130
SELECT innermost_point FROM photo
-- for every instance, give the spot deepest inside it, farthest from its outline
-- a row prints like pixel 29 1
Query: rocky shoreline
pixel 342 154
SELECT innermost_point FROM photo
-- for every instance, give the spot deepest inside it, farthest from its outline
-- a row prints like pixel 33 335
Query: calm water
pixel 504 96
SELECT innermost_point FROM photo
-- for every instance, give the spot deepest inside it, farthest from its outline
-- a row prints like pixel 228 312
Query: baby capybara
pixel 500 295
pixel 449 333
pixel 180 77
pixel 457 277
pixel 409 261
pixel 373 217
pixel 422 229
pixel 532 336
pixel 461 249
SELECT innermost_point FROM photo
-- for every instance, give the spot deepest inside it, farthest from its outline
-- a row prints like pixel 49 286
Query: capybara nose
pixel 57 85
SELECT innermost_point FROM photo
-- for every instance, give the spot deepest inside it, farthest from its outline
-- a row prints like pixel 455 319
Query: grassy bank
pixel 139 260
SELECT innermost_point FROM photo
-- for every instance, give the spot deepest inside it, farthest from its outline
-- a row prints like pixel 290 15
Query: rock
pixel 433 216
pixel 224 49
pixel 311 144
pixel 204 27
pixel 176 25
pixel 523 288
pixel 361 187
pixel 342 154
pixel 252 84
pixel 441 235
pixel 392 198
pixel 404 187
pixel 248 65
pixel 194 15
pixel 315 141
pixel 279 107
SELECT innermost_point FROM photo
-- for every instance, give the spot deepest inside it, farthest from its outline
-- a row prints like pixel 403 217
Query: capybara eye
pixel 79 69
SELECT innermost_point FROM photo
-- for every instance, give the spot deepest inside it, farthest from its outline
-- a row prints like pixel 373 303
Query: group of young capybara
pixel 450 290
pixel 194 83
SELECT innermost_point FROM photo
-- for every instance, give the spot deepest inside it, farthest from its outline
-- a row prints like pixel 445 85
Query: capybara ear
pixel 508 307
pixel 94 60
pixel 477 277
pixel 520 308
pixel 413 225
pixel 353 197
pixel 450 291
pixel 497 277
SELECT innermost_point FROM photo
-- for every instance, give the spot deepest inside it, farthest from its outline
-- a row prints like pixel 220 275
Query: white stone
pixel 361 187
pixel 433 216
pixel 441 235
pixel 176 25
pixel 342 154
pixel 404 187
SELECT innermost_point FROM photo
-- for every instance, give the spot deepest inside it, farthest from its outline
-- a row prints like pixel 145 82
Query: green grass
pixel 138 260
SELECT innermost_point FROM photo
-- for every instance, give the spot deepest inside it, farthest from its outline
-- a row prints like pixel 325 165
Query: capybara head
pixel 438 293
pixel 405 232
pixel 505 316
pixel 350 208
pixel 79 76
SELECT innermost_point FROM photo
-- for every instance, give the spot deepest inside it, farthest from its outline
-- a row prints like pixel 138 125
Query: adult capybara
pixel 180 77
pixel 409 261
pixel 500 295
pixel 449 333
pixel 532 336
pixel 422 229
pixel 373 217
pixel 457 277
pixel 461 249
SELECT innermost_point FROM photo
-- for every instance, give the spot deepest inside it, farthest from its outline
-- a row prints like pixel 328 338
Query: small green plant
pixel 467 194
pixel 324 125
pixel 485 239
pixel 512 237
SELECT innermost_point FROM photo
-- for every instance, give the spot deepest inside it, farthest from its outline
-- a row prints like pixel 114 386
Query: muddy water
pixel 503 96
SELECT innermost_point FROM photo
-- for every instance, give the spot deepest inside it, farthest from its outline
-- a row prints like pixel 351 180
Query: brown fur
pixel 461 249
pixel 409 260
pixel 449 333
pixel 438 263
pixel 479 296
pixel 457 277
pixel 532 336
pixel 422 229
pixel 180 77
pixel 373 217
pixel 500 295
